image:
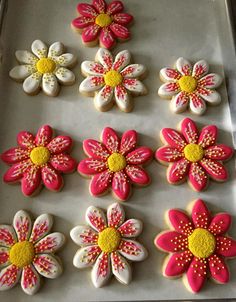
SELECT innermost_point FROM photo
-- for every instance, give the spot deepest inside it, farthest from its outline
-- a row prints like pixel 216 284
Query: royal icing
pixel 115 163
pixel 197 246
pixel 46 68
pixel 190 86
pixel 193 155
pixel 106 244
pixel 102 22
pixel 39 159
pixel 26 252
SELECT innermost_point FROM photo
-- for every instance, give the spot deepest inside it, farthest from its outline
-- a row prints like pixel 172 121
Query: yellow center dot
pixel 193 152
pixel 40 155
pixel 22 253
pixel 45 65
pixel 103 20
pixel 116 162
pixel 187 83
pixel 109 240
pixel 201 243
pixel 113 78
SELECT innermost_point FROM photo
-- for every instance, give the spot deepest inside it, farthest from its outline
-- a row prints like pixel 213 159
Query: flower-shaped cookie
pixel 193 155
pixel 112 81
pixel 116 163
pixel 190 86
pixel 39 159
pixel 44 68
pixel 105 244
pixel 102 22
pixel 26 252
pixel 197 246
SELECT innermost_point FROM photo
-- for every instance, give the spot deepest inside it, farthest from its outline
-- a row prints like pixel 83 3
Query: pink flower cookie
pixel 193 155
pixel 115 163
pixel 106 242
pixel 197 245
pixel 112 80
pixel 188 85
pixel 102 22
pixel 38 160
pixel 26 252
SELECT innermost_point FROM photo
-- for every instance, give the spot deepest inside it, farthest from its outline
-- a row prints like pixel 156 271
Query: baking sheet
pixel 163 31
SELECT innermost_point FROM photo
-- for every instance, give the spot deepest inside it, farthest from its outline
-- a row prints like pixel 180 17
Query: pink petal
pixel 177 264
pixel 197 177
pixel 123 18
pixel 189 131
pixel 220 224
pixel 100 6
pixel 120 31
pixel 9 276
pixel 110 139
pixel 14 155
pixel 22 225
pixel 101 271
pixel 25 140
pixel 84 235
pixel 184 66
pixel 95 149
pixel 179 102
pixel 115 7
pixel 87 10
pixel 168 154
pixel 178 171
pixel 128 141
pixel 90 33
pixel 106 38
pixel 50 244
pixel 4 256
pixel 90 166
pixel 63 163
pixel 100 183
pixel 208 136
pixel 82 22
pixel 196 274
pixel 139 156
pixel 96 218
pixel 60 144
pixel 30 280
pixel 173 138
pixel 210 81
pixel 131 228
pixel 180 221
pixel 169 74
pixel 120 268
pixel 218 269
pixel 200 69
pixel 86 256
pixel 47 266
pixel 51 178
pixel 7 235
pixel 201 217
pixel 218 152
pixel 122 59
pixel 132 250
pixel 120 185
pixel 225 246
pixel 197 104
pixel 137 175
pixel 16 172
pixel 216 170
pixel 44 135
pixel 41 227
pixel 171 241
pixel 115 215
pixel 31 181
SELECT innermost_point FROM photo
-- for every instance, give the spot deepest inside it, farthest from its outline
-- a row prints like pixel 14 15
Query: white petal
pixel 22 225
pixel 9 276
pixel 92 68
pixel 32 84
pixel 197 104
pixel 179 102
pixel 121 268
pixel 65 76
pixel 132 250
pixel 41 227
pixel 91 84
pixel 83 235
pixel 47 266
pixel 184 66
pixel 50 85
pixel 86 256
pixel 210 81
pixel 104 57
pixel 210 96
pixel 66 60
pixel 169 74
pixel 135 86
pixel 168 89
pixel 133 71
pixel 122 98
pixel 115 215
pixel 101 271
pixel 30 280
pixel 4 256
pixel 39 48
pixel 26 57
pixel 200 69
pixel 122 59
pixel 21 72
pixel 104 98
pixel 131 228
pixel 50 244
pixel 95 217
pixel 7 235
pixel 56 49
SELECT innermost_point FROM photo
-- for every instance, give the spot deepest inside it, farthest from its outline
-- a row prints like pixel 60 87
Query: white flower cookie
pixel 190 86
pixel 112 80
pixel 44 68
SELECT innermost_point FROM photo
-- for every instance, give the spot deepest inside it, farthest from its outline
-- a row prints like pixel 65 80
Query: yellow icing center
pixel 103 20
pixel 201 243
pixel 109 240
pixel 187 83
pixel 113 78
pixel 22 253
pixel 45 65
pixel 193 152
pixel 116 162
pixel 40 155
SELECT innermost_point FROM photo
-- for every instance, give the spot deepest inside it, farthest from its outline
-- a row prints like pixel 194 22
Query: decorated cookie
pixel 44 68
pixel 190 86
pixel 102 23
pixel 39 160
pixel 26 252
pixel 115 163
pixel 197 245
pixel 111 80
pixel 106 243
pixel 192 155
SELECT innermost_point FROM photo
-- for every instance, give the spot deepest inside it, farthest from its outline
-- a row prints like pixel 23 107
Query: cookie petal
pixel 84 235
pixel 100 183
pixel 208 136
pixel 197 177
pixel 201 216
pixel 39 48
pixel 47 266
pixel 50 244
pixel 9 277
pixel 50 85
pixel 115 7
pixel 173 138
pixel 4 256
pixel 105 58
pixel 16 172
pixel 178 171
pixel 51 178
pixel 122 98
pixel 180 221
pixel 22 225
pixel 7 235
pixel 110 139
pixel 95 149
pixel 218 269
pixel 25 140
pixel 137 175
pixel 66 59
pixel 210 81
pixel 131 228
pixel 32 83
pixel 200 69
pixel 216 170
pixel 225 246
pixel 132 250
pixel 184 67
pixel 128 141
pixel 82 22
pixel 197 104
pixel 44 135
pixel 168 154
pixel 30 280
pixel 103 98
pixel 63 163
pixel 120 268
pixel 218 152
pixel 26 57
pixel 123 18
pixel 101 271
pixel 121 185
pixel 169 74
pixel 122 59
pixel 87 10
pixel 134 86
pixel 14 155
pixel 56 49
pixel 133 71
pixel 119 31
pixel 96 218
pixel 90 166
pixel 31 181
pixel 177 264
pixel 209 95
pixel 115 215
pixel 41 227
pixel 60 144
pixel 92 68
pixel 86 256
pixel 196 274
pixel 139 156
pixel 100 6
pixel 189 131
pixel 65 76
pixel 90 33
pixel 91 84
pixel 171 241
pixel 179 102
pixel 22 72
pixel 220 224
